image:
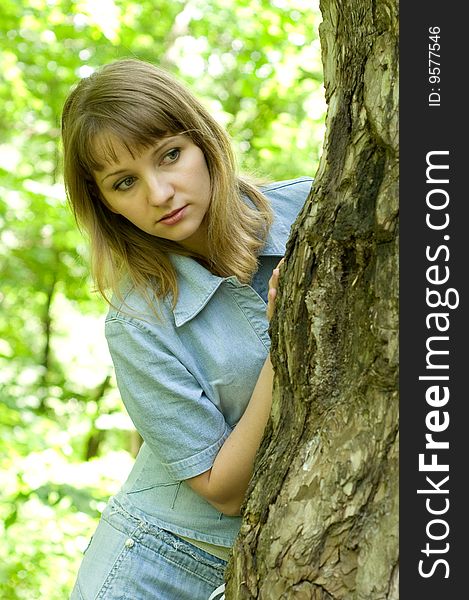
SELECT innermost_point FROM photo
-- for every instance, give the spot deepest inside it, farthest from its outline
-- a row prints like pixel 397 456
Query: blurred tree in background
pixel 66 443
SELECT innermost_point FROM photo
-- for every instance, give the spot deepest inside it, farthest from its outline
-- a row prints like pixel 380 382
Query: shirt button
pixel 129 543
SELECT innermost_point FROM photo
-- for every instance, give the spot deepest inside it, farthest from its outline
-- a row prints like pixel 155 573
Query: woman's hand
pixel 273 286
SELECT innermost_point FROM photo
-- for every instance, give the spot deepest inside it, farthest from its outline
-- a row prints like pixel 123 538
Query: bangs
pixel 134 130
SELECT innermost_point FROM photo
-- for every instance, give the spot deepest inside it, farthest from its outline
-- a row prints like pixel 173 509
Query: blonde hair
pixel 138 104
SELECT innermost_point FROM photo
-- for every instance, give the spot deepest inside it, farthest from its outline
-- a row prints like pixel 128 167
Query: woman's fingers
pixel 273 287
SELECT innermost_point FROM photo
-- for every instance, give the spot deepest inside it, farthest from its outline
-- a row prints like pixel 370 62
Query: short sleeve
pixel 166 403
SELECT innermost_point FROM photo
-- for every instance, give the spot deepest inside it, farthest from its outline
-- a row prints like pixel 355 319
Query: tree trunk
pixel 321 521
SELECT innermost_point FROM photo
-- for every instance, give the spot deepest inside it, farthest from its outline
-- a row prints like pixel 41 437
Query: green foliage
pixel 65 442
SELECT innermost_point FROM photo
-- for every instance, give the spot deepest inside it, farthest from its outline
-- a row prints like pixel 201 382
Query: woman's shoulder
pixel 287 197
pixel 138 307
pixel 299 185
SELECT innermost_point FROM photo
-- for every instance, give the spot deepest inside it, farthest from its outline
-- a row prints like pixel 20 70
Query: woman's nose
pixel 159 191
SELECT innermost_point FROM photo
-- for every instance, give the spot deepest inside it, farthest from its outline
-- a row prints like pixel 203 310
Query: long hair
pixel 138 104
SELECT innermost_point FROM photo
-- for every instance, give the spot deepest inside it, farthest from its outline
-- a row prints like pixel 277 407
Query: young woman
pixel 185 251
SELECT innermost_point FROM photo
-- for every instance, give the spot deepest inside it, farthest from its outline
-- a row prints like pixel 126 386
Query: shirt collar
pixel 196 285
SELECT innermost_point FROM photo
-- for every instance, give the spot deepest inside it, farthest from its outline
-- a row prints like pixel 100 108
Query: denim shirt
pixel 187 377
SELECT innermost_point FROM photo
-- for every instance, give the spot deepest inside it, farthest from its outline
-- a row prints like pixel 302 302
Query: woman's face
pixel 164 191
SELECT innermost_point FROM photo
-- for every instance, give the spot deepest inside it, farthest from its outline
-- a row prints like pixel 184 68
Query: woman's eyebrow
pixel 113 173
pixel 156 148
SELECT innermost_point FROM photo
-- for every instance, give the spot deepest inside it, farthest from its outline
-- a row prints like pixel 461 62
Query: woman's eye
pixel 124 184
pixel 171 156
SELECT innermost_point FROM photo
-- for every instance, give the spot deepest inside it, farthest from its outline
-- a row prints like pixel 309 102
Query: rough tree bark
pixel 321 521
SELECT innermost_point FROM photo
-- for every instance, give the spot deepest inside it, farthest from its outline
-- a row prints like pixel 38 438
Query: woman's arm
pixel 225 484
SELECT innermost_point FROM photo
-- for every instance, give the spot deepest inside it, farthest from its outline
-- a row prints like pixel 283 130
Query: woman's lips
pixel 174 217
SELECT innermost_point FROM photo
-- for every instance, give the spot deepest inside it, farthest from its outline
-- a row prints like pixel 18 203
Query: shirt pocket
pixel 227 344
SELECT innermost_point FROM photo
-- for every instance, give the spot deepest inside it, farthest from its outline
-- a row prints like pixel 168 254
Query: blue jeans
pixel 129 559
